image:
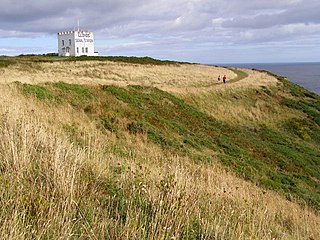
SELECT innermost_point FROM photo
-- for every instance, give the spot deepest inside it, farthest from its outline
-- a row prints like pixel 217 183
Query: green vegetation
pixel 240 75
pixel 6 63
pixel 73 93
pixel 285 157
pixel 40 92
pixel 136 162
pixel 305 101
pixel 297 91
pixel 133 60
pixel 57 92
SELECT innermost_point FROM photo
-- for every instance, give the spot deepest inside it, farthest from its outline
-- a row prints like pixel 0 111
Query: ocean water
pixel 306 75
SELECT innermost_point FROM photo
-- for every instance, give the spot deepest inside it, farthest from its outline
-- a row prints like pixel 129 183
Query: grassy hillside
pixel 283 157
pixel 136 162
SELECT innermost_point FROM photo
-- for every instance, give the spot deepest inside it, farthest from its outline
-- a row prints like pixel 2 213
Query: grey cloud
pixel 300 12
pixel 278 33
pixel 260 21
pixel 13 13
pixel 184 15
pixel 180 24
pixel 49 16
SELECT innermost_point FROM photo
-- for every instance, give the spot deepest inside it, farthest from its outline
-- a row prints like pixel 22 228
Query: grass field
pixel 160 157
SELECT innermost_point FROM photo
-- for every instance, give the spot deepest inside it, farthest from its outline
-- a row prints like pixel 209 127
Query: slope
pixel 137 162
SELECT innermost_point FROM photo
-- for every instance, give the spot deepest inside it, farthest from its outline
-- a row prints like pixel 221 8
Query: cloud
pixel 184 25
pixel 291 13
pixel 277 33
pixel 144 16
pixel 7 50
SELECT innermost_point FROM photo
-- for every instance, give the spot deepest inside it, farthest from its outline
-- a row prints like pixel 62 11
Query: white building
pixel 76 43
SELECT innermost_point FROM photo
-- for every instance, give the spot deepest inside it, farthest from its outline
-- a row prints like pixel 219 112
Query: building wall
pixel 84 43
pixel 66 44
pixel 76 43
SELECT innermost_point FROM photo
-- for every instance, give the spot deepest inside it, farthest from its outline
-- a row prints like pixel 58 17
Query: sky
pixel 202 31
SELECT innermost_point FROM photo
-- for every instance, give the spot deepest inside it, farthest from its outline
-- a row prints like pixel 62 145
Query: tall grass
pixel 173 77
pixel 260 153
pixel 111 187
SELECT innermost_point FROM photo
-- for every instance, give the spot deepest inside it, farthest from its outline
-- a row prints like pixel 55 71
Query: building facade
pixel 76 43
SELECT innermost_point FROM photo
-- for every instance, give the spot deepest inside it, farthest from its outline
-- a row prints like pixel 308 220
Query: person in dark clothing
pixel 224 79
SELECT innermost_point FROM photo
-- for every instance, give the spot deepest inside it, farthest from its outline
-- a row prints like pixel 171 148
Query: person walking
pixel 224 79
pixel 219 78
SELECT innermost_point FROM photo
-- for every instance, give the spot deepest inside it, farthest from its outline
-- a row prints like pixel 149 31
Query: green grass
pixel 240 75
pixel 285 158
pixel 40 92
pixel 133 60
pixel 302 100
pixel 296 90
pixel 74 92
pixel 6 63
pixel 79 90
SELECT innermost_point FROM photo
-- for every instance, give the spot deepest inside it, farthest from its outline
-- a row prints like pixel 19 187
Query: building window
pixel 70 42
pixel 62 42
pixel 86 50
pixel 83 50
pixel 77 50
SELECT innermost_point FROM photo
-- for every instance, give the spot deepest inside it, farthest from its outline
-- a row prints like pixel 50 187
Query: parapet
pixel 65 33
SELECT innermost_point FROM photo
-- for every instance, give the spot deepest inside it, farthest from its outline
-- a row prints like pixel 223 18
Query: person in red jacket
pixel 224 79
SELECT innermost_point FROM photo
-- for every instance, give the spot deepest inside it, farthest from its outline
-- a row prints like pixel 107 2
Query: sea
pixel 306 75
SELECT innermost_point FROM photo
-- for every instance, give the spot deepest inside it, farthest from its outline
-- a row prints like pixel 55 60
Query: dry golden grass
pixel 167 77
pixel 52 187
pixel 236 106
pixel 196 83
pixel 255 79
